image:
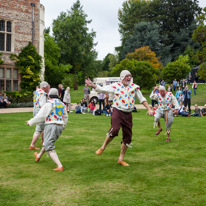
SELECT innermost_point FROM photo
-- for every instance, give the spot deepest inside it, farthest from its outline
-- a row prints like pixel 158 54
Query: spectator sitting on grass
pixel 78 108
pixel 203 111
pixel 83 106
pixel 180 110
pixel 6 99
pixel 2 102
pixel 185 113
pixel 196 112
pixel 108 109
pixel 92 106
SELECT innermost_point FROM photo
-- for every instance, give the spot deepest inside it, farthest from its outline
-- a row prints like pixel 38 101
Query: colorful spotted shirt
pixel 53 112
pixel 39 99
pixel 56 113
pixel 166 102
pixel 123 97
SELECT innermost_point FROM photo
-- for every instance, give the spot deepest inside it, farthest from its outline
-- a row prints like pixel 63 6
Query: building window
pixel 1 72
pixel 9 79
pixel 8 85
pixel 5 35
pixel 15 85
pixel 1 85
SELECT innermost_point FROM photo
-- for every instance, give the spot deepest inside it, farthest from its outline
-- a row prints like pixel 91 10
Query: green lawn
pixel 200 98
pixel 160 173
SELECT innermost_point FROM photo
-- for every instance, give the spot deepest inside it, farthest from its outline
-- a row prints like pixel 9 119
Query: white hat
pixel 161 88
pixel 124 73
pixel 53 91
pixel 43 84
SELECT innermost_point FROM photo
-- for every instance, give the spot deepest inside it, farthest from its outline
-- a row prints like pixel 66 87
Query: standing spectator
pixel 196 112
pixel 178 84
pixel 174 85
pixel 178 92
pixel 67 99
pixel 163 83
pixel 60 90
pixel 183 84
pixel 189 78
pixel 83 106
pixel 92 106
pixel 6 99
pixel 108 109
pixel 187 98
pixel 154 101
pixel 203 111
pixel 2 102
pixel 78 108
pixel 194 86
pixel 101 101
pixel 62 93
pixel 86 91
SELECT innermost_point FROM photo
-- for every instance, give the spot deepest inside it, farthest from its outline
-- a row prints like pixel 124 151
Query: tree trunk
pixel 75 86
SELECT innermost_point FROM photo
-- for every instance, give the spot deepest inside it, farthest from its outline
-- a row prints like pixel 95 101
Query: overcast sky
pixel 104 15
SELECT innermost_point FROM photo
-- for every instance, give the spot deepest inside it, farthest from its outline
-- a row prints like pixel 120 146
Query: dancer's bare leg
pixel 168 135
pixel 102 148
pixel 42 137
pixel 122 153
pixel 34 139
pixel 159 128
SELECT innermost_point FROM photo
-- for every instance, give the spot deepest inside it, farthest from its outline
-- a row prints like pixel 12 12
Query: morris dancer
pixel 165 101
pixel 40 98
pixel 123 103
pixel 55 113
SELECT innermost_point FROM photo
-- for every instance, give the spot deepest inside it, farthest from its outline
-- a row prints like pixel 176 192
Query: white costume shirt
pixel 166 102
pixel 54 112
pixel 39 99
pixel 123 97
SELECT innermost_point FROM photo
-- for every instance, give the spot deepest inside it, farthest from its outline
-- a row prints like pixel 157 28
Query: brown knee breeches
pixel 121 119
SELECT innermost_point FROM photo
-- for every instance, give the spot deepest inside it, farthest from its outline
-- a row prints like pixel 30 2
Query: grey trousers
pixel 169 118
pixel 40 126
pixel 51 134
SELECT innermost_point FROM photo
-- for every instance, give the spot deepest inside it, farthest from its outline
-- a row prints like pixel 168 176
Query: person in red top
pixel 92 106
pixel 194 86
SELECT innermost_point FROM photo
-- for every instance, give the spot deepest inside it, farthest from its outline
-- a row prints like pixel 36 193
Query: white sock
pixel 41 152
pixel 55 158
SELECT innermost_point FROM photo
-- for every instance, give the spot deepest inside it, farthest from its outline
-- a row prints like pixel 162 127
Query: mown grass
pixel 200 98
pixel 160 173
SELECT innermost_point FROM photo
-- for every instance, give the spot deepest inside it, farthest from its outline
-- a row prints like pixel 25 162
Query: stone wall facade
pixel 19 13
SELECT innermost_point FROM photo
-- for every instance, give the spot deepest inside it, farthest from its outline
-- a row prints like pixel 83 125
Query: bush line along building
pixel 15 33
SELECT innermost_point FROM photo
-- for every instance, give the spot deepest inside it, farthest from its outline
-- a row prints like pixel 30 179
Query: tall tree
pixel 145 54
pixel 52 66
pixel 177 69
pixel 74 39
pixel 172 15
pixel 147 34
pixel 131 13
pixel 143 73
pixel 199 36
pixel 29 63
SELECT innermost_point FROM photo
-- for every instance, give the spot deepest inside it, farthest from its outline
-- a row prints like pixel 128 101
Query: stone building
pixel 15 33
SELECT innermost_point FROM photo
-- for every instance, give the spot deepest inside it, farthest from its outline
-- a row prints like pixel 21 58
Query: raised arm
pixel 105 89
